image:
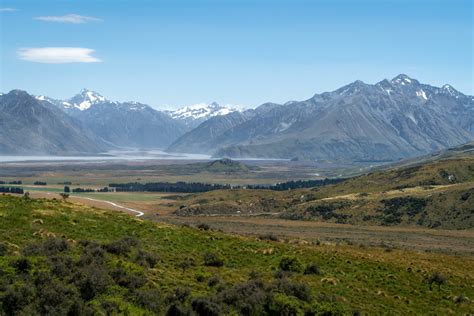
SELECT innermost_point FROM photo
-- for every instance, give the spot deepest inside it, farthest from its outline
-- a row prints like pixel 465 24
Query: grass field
pixel 348 278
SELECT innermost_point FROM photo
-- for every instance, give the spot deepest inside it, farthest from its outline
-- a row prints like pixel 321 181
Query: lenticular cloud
pixel 68 18
pixel 58 55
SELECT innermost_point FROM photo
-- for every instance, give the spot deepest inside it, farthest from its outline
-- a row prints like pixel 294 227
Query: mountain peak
pixel 448 89
pixel 351 88
pixel 85 99
pixel 403 80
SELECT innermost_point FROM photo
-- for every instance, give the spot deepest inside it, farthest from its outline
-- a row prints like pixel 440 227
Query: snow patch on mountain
pixel 421 94
pixel 201 111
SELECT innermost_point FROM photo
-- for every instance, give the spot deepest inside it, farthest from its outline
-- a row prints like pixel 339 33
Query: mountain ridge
pixel 389 120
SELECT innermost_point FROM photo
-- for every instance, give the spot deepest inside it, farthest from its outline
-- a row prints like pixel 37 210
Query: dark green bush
pixel 248 298
pixel 150 298
pixel 128 280
pixel 213 260
pixel 91 281
pixel 312 268
pixel 146 259
pixel 298 290
pixel 291 264
pixel 205 307
pixel 122 246
pixel 214 280
pixel 21 265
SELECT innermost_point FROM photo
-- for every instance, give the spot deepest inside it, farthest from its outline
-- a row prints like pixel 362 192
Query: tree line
pixel 11 182
pixel 299 184
pixel 196 187
pixel 183 187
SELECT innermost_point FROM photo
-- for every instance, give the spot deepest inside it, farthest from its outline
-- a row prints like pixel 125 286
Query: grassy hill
pixel 58 258
pixel 430 193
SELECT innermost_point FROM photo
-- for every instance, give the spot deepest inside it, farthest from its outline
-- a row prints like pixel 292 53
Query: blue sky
pixel 175 53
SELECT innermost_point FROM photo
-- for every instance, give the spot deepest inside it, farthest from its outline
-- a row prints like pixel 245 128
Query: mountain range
pixel 389 120
pixel 386 121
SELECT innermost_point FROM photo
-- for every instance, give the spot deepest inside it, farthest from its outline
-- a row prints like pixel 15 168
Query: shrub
pixel 214 280
pixel 91 281
pixel 203 226
pixel 55 245
pixel 3 249
pixel 200 277
pixel 61 265
pixel 48 247
pixel 212 260
pixel 185 264
pixel 128 280
pixel 291 264
pixel 298 290
pixel 122 246
pixel 15 298
pixel 149 298
pixel 268 236
pixel 92 254
pixel 21 265
pixel 177 310
pixel 56 298
pixel 179 295
pixel 204 306
pixel 284 305
pixel 146 259
pixel 312 269
pixel 110 307
pixel 436 278
pixel 248 298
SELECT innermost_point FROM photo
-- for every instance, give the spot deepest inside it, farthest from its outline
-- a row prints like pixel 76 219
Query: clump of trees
pixel 82 190
pixel 11 182
pixel 299 184
pixel 14 190
pixel 195 187
pixel 39 183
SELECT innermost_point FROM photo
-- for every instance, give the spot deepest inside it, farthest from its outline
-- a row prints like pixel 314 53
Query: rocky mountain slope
pixel 386 121
pixel 30 126
pixel 125 124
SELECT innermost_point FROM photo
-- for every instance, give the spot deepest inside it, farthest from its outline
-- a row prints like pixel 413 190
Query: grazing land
pixel 67 258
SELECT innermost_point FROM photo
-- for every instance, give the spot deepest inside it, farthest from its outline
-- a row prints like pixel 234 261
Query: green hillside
pixel 435 194
pixel 59 258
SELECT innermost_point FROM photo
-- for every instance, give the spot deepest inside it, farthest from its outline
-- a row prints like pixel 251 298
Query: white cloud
pixel 8 10
pixel 58 55
pixel 68 18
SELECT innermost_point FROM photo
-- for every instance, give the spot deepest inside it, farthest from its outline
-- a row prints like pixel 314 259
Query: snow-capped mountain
pixel 194 115
pixel 81 101
pixel 129 124
pixel 388 120
pixel 84 100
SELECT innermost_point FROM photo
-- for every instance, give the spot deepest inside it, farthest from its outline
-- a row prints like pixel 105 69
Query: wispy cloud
pixel 68 18
pixel 8 10
pixel 58 55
